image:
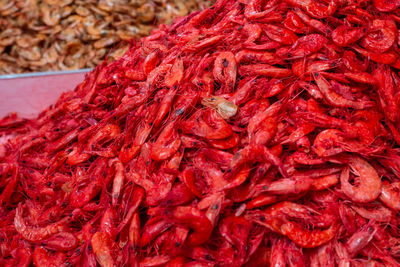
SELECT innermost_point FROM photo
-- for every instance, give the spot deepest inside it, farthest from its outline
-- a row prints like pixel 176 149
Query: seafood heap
pixel 252 133
pixel 73 34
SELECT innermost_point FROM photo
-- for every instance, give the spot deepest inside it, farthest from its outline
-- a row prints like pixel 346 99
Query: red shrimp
pixel 43 258
pixel 252 9
pixel 352 63
pixel 134 230
pixel 381 35
pixel 377 213
pixel 369 184
pixel 279 34
pixel 87 188
pixel 8 190
pixel 306 239
pixel 250 56
pixel 35 234
pixel 21 257
pixel 386 6
pixel 335 99
pixel 314 23
pixel 167 144
pixel 118 180
pixel 175 74
pixel 315 8
pixel 264 70
pixel 165 106
pixel 390 195
pixel 294 23
pixel 345 35
pixel 196 220
pixel 360 239
pixel 324 182
pixel 225 70
pixel 106 250
pixel 208 124
pixel 62 241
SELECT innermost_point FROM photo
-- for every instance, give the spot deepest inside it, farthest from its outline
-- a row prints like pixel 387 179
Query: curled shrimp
pixel 294 23
pixel 106 133
pixel 345 35
pixel 369 183
pixel 197 221
pixel 352 63
pixel 280 34
pixel 225 70
pixel 208 124
pixel 227 143
pixel 386 6
pixel 35 234
pixel 252 9
pixel 315 8
pixel 381 35
pixel 224 107
pixel 305 238
pixel 21 257
pixel 307 45
pixel 335 99
pixel 390 195
pixel 167 143
pixel 41 257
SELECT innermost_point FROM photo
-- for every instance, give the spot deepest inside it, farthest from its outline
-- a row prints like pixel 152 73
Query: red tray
pixel 28 94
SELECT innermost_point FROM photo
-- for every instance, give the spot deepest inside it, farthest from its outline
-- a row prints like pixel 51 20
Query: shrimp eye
pixel 225 63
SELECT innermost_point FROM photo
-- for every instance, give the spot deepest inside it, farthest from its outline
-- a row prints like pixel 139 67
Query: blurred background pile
pixel 50 35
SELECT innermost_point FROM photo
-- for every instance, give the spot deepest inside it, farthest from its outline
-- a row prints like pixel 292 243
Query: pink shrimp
pixel 369 184
pixel 360 239
pixel 106 250
pixel 390 195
